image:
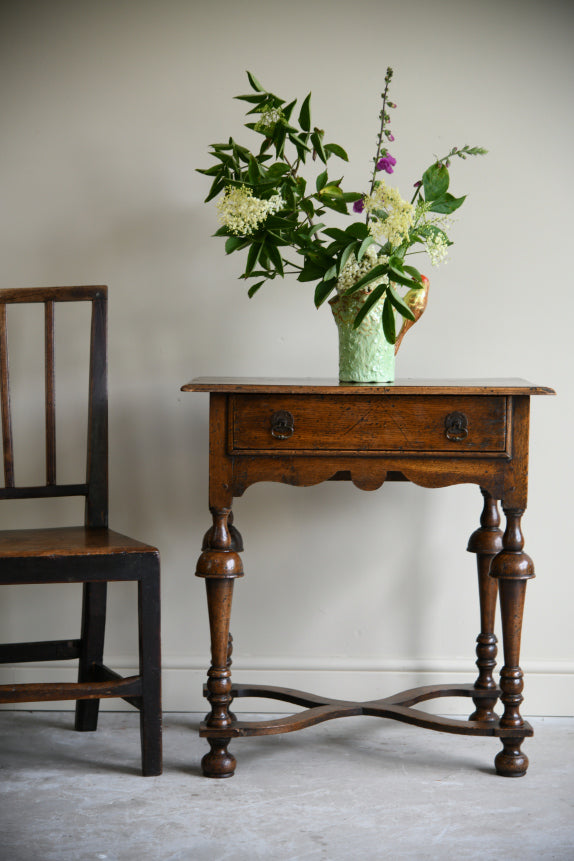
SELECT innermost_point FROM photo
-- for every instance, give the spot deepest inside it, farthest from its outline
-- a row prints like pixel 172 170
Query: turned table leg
pixel 219 564
pixel 512 568
pixel 486 542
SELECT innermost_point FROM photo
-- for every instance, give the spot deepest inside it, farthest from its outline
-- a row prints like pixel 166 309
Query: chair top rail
pixel 13 295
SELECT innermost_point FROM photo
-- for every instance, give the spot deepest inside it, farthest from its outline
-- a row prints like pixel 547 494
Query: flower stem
pixel 381 132
pixel 454 151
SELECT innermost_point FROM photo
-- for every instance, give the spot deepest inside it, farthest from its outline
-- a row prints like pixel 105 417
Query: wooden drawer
pixel 364 423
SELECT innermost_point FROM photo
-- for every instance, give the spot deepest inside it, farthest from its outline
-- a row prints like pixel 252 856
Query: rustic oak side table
pixel 432 433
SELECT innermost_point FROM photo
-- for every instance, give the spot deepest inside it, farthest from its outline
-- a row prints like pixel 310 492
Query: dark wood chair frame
pixel 90 554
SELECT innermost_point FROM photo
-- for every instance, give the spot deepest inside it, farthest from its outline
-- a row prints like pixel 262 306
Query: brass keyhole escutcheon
pixel 456 426
pixel 282 424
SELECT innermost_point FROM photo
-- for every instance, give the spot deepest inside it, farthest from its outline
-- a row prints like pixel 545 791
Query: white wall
pixel 107 108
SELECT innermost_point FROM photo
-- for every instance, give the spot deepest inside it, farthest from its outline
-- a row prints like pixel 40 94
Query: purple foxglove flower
pixel 359 205
pixel 386 163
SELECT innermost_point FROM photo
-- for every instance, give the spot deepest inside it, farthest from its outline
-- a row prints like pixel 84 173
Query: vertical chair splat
pixel 50 393
pixel 5 398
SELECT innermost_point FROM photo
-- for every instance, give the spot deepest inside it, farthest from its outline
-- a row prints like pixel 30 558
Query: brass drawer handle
pixel 456 426
pixel 282 424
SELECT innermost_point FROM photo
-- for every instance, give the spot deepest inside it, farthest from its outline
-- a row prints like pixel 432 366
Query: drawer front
pixel 367 423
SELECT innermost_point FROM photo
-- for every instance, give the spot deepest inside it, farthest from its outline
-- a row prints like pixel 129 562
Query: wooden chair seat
pixel 90 554
pixel 62 541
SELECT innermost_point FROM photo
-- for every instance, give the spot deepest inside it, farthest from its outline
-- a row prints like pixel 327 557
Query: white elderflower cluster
pixel 268 119
pixel 352 270
pixel 436 242
pixel 242 213
pixel 400 214
pixel 437 248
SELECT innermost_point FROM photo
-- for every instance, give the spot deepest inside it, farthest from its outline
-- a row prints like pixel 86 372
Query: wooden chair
pixel 90 554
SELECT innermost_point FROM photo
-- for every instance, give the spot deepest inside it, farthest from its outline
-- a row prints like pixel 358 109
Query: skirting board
pixel 548 690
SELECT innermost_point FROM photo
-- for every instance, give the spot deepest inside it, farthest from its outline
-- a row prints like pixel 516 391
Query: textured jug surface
pixel 365 355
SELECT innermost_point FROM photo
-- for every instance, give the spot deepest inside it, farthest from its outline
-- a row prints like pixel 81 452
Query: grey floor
pixel 359 788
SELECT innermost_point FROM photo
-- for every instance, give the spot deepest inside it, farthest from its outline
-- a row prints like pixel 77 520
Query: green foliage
pixel 287 234
pixel 435 181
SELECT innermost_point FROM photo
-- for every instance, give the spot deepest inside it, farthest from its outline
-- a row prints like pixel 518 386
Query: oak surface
pixel 481 386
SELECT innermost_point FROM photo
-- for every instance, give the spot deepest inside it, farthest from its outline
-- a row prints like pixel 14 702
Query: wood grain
pixel 368 423
pixel 432 433
pixel 482 386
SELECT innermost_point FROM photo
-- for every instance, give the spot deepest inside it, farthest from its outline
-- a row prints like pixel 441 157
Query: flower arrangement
pixel 270 210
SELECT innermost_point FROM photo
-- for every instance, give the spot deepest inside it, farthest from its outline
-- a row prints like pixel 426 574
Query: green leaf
pixel 288 109
pixel 301 146
pixel 258 273
pixel 315 228
pixel 307 208
pixel 301 185
pixel 337 150
pixel 371 300
pixel 447 204
pixel 345 255
pixel 254 172
pixel 300 141
pixel 255 83
pixel 323 290
pixel 279 137
pixel 435 181
pixel 376 272
pixel 215 189
pixel 368 240
pixel 414 273
pixel 335 203
pixel 223 157
pixel 337 234
pixel 358 229
pixel 254 288
pixel 233 243
pixel 253 256
pixel 321 180
pixel 210 171
pixel 237 182
pixel 310 272
pixel 279 223
pixel 253 100
pixel 279 168
pixel 401 306
pixel 305 114
pixel 388 317
pixel 275 258
pixel 318 146
pixel 397 274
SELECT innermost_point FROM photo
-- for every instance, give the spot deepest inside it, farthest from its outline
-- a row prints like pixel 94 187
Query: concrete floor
pixel 359 788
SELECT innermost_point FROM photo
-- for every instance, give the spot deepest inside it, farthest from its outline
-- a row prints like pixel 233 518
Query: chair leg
pixel 91 650
pixel 150 670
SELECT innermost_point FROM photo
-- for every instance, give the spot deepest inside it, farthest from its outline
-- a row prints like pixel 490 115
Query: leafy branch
pixel 268 208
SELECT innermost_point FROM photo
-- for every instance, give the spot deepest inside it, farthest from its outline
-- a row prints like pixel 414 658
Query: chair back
pixel 95 487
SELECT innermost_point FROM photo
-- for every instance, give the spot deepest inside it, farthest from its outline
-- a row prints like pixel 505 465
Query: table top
pixel 406 386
